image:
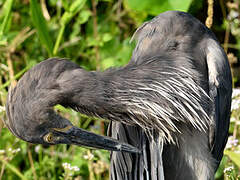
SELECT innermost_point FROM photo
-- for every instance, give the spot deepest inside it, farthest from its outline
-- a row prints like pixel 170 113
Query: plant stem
pixel 13 169
pixel 95 32
pixel 226 38
pixel 31 162
pixel 2 170
pixel 59 38
pixel 11 70
pixel 209 19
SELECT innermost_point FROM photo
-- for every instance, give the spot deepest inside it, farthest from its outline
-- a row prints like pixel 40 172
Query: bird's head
pixel 30 114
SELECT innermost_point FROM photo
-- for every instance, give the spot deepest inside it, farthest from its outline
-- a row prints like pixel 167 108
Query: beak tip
pixel 128 148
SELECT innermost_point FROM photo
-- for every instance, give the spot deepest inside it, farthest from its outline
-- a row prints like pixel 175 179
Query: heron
pixel 169 107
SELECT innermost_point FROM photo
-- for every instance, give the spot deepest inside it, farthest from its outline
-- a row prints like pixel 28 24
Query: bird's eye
pixel 48 138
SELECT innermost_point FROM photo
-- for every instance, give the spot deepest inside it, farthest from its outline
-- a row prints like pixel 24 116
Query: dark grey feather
pixel 189 43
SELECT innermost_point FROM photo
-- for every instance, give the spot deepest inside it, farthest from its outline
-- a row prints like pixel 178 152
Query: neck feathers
pixel 157 97
pixel 156 94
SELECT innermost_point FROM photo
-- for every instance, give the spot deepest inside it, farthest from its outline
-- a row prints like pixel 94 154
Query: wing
pixel 220 90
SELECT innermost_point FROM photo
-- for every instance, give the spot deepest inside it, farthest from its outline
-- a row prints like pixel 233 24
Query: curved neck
pixel 93 94
pixel 145 94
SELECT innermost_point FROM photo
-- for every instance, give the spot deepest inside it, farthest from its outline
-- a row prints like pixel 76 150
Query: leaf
pixel 91 41
pixel 235 157
pixel 221 167
pixel 106 37
pixel 108 62
pixel 155 7
pixel 62 109
pixel 6 13
pixel 84 16
pixel 40 24
pixel 75 7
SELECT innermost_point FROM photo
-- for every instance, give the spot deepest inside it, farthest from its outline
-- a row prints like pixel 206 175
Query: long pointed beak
pixel 85 138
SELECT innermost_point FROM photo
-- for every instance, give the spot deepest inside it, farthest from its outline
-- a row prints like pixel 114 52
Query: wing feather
pixel 220 91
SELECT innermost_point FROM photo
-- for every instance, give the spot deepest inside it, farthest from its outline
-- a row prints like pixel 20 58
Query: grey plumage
pixel 194 72
pixel 172 102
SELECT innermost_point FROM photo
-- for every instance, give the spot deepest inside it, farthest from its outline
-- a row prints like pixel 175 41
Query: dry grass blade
pixel 20 38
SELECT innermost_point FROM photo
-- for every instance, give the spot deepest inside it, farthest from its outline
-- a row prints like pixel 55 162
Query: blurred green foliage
pixel 95 34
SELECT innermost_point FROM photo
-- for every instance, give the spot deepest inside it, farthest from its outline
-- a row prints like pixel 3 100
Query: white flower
pixel 16 150
pixel 69 167
pixel 37 148
pixel 235 93
pixel 228 169
pixel 13 151
pixel 231 142
pixel 2 151
pixel 238 123
pixel 232 119
pixel 66 166
pixel 2 109
pixel 75 168
pixel 89 156
pixel 235 104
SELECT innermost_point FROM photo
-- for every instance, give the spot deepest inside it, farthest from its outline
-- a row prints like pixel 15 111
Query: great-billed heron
pixel 169 106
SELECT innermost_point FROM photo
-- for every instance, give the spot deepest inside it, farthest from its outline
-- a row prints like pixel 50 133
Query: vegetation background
pixel 95 34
